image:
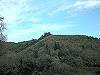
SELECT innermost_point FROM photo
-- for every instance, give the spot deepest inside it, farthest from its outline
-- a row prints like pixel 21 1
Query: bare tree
pixel 2 28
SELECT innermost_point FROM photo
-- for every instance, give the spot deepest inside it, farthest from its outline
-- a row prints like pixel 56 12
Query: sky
pixel 29 19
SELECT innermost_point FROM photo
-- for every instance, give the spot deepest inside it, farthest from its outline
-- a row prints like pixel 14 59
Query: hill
pixel 52 55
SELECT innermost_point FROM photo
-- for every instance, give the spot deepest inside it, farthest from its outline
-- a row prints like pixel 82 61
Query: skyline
pixel 27 19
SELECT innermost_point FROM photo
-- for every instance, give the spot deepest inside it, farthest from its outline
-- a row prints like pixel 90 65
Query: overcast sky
pixel 27 19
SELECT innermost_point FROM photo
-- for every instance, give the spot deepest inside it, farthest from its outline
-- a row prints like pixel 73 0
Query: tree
pixel 2 28
pixel 46 34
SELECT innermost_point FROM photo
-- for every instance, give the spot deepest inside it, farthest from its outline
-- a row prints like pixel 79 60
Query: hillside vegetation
pixel 52 55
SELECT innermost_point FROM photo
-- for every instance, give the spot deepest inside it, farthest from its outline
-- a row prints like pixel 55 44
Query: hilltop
pixel 52 55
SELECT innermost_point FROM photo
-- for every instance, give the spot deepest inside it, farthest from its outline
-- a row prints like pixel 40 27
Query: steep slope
pixel 54 55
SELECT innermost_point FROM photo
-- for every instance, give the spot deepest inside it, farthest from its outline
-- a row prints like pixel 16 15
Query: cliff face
pixel 52 55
